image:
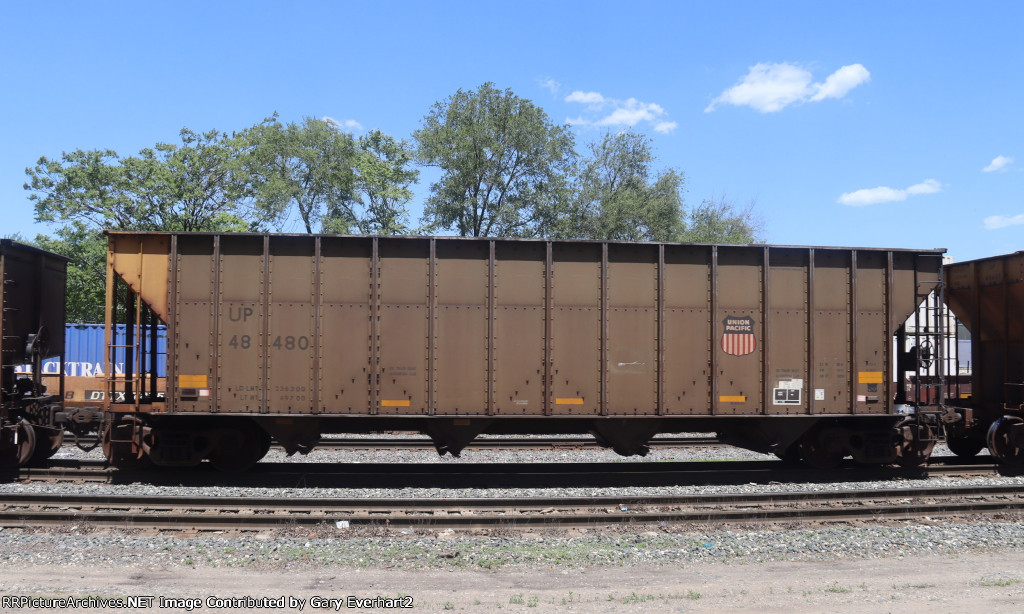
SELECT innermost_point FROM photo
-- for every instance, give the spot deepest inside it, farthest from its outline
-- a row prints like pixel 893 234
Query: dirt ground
pixel 991 582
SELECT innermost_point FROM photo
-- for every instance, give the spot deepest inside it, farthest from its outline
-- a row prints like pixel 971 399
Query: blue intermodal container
pixel 84 352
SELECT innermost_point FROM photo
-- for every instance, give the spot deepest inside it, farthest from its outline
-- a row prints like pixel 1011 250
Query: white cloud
pixel 772 87
pixel 630 113
pixel 994 222
pixel 999 163
pixel 625 113
pixel 883 194
pixel 767 88
pixel 585 97
pixel 872 196
pixel 928 186
pixel 348 123
pixel 551 85
pixel 839 83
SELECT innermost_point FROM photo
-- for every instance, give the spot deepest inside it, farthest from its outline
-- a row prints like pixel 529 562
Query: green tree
pixel 199 185
pixel 307 167
pixel 503 161
pixel 383 177
pixel 90 187
pixel 718 221
pixel 616 199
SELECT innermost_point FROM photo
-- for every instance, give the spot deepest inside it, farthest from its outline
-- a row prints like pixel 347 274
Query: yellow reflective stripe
pixel 192 381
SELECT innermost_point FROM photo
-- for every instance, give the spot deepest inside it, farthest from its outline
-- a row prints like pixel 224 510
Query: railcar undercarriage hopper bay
pixel 798 351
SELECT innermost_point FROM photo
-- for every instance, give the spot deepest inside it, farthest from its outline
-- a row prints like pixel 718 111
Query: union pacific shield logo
pixel 738 338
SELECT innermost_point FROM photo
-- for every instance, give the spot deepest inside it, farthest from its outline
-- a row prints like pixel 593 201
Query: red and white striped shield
pixel 738 336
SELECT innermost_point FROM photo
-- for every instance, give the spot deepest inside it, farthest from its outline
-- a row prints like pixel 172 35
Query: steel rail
pixel 252 513
pixel 496 443
pixel 456 475
pixel 504 443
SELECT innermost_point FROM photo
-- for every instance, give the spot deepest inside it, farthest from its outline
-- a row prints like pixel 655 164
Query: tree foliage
pixel 303 167
pixel 213 181
pixel 503 161
pixel 383 179
pixel 616 198
pixel 197 185
pixel 332 181
pixel 718 221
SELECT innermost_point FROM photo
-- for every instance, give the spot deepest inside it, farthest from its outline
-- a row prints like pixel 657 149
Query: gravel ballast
pixel 400 549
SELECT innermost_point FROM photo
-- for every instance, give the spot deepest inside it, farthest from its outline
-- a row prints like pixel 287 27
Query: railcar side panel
pixel 830 375
pixel 405 328
pixel 193 344
pixel 293 324
pixel 632 330
pixel 242 349
pixel 520 344
pixel 462 289
pixel 345 347
pixel 32 285
pixel 871 340
pixel 576 326
pixel 738 355
pixel 787 332
pixel 988 297
pixel 688 336
pixel 292 330
pixel 994 358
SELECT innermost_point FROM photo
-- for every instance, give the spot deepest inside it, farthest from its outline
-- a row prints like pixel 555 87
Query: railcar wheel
pixel 24 443
pixel 240 447
pixel 965 447
pixel 48 442
pixel 1003 437
pixel 121 446
pixel 822 449
pixel 916 443
pixel 790 455
pixel 265 443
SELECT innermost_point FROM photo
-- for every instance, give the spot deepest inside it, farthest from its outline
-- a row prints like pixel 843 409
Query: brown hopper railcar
pixel 777 349
pixel 31 330
pixel 987 296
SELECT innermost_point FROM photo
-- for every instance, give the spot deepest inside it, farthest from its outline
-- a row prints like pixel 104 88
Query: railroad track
pixel 506 443
pixel 490 443
pixel 252 513
pixel 502 475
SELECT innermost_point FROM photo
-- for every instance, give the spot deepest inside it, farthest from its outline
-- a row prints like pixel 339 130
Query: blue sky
pixel 894 124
